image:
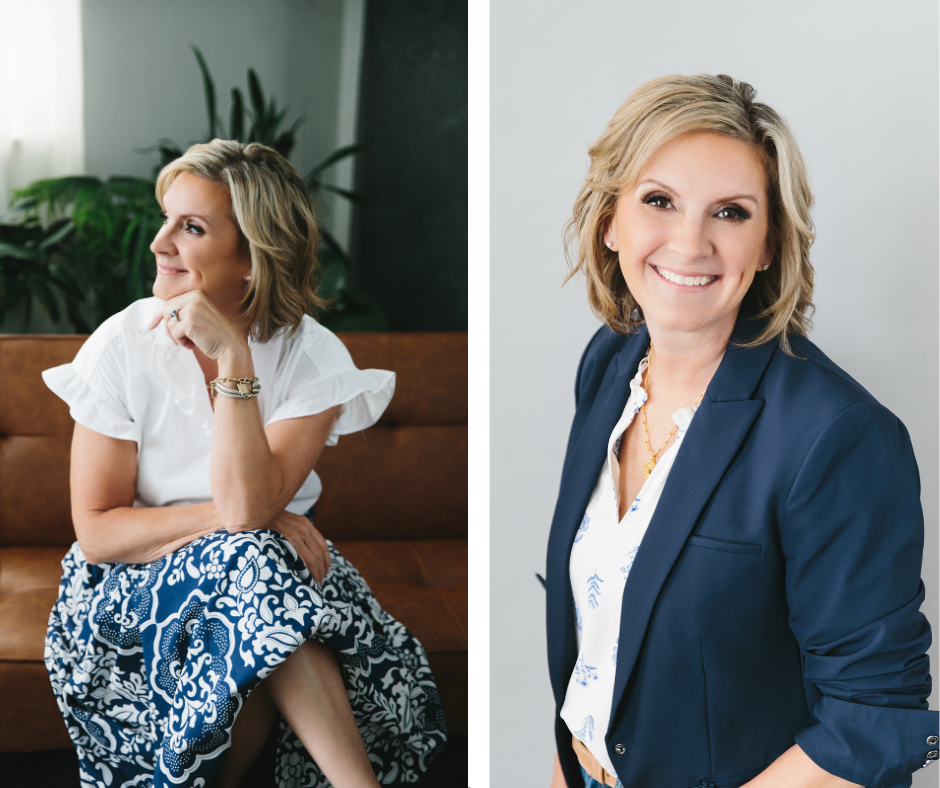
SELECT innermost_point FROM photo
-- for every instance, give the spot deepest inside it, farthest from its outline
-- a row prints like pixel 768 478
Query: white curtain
pixel 41 92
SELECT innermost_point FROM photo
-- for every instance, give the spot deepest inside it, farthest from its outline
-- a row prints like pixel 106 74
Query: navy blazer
pixel 775 597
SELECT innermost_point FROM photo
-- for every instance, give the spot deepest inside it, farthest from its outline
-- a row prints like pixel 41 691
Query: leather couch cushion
pixel 422 584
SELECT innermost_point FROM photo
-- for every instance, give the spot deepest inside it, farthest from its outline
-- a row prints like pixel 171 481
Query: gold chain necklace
pixel 648 468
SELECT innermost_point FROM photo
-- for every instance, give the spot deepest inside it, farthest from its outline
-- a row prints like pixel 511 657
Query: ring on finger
pixel 175 313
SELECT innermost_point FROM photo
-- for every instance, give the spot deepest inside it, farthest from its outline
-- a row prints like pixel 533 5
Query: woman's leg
pixel 249 734
pixel 308 690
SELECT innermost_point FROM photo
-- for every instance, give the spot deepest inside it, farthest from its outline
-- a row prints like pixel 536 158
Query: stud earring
pixel 248 278
pixel 609 244
pixel 764 268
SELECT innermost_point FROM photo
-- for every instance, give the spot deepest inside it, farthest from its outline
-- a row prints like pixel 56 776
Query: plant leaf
pixel 44 296
pixel 256 94
pixel 351 196
pixel 329 240
pixel 208 87
pixel 18 252
pixel 237 124
pixel 57 236
pixel 19 206
pixel 340 153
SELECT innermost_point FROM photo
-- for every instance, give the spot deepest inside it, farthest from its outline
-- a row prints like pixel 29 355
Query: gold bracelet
pixel 246 387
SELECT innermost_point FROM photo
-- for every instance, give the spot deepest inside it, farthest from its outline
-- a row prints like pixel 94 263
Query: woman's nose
pixel 162 243
pixel 689 240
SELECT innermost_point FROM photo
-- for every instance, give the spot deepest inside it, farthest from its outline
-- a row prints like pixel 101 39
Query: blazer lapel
pixel 578 481
pixel 720 426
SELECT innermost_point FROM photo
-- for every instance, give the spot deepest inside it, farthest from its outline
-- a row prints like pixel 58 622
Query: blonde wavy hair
pixel 276 226
pixel 655 113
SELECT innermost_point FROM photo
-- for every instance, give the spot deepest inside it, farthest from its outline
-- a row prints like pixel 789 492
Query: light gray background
pixel 859 86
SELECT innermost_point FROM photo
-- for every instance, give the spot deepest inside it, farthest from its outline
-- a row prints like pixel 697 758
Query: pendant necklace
pixel 648 468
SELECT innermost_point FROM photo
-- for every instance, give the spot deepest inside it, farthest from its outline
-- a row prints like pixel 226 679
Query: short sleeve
pixel 94 386
pixel 319 373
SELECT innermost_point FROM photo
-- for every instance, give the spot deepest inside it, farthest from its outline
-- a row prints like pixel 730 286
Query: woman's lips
pixel 167 271
pixel 696 282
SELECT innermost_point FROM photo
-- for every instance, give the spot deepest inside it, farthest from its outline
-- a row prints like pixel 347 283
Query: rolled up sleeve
pixel 853 541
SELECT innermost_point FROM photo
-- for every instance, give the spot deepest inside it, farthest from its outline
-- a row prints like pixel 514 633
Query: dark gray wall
pixel 410 244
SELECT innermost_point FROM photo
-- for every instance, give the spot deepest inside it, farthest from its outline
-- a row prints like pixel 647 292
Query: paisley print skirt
pixel 151 663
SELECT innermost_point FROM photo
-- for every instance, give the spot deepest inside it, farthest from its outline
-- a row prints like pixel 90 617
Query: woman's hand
pixel 306 540
pixel 198 324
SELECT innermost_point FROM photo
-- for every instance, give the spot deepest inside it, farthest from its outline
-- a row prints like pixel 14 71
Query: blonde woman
pixel 733 577
pixel 200 605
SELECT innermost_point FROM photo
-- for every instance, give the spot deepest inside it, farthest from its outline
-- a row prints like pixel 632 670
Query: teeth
pixel 684 280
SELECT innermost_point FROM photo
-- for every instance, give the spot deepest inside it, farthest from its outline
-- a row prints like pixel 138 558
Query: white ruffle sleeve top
pixel 601 559
pixel 134 384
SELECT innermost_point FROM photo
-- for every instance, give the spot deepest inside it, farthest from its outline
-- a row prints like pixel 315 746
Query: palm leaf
pixel 335 156
pixel 57 235
pixel 329 240
pixel 17 252
pixel 351 196
pixel 237 124
pixel 208 87
pixel 44 296
pixel 256 94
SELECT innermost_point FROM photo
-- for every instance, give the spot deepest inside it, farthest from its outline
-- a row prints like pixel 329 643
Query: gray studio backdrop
pixel 859 86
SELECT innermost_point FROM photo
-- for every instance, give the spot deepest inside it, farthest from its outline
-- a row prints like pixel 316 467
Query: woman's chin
pixel 686 322
pixel 165 290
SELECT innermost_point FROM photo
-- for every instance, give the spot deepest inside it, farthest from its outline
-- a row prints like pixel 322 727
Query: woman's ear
pixel 766 258
pixel 610 234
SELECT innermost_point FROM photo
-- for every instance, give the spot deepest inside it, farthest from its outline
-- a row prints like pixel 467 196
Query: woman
pixel 200 604
pixel 733 582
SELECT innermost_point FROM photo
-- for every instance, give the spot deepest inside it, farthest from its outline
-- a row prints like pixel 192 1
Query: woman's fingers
pixel 309 543
pixel 327 559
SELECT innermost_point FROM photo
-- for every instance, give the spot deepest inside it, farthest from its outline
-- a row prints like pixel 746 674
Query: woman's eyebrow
pixel 191 216
pixel 662 185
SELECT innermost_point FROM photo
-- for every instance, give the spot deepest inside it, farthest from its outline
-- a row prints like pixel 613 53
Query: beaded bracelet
pixel 246 387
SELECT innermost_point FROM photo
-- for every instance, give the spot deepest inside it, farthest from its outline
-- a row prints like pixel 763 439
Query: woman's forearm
pixel 795 769
pixel 247 483
pixel 130 535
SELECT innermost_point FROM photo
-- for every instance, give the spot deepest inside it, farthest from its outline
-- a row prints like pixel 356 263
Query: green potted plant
pixel 85 242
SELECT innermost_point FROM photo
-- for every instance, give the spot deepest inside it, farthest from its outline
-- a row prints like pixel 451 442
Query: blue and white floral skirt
pixel 150 663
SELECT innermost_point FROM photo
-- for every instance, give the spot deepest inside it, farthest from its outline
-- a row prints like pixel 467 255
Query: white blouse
pixel 132 383
pixel 601 558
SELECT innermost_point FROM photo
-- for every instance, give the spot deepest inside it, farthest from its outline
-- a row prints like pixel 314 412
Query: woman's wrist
pixel 235 361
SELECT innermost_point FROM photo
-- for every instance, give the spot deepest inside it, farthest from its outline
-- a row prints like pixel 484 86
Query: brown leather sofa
pixel 394 502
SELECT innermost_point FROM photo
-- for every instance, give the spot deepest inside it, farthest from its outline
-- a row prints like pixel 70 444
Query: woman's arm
pixel 256 472
pixel 103 479
pixel 110 529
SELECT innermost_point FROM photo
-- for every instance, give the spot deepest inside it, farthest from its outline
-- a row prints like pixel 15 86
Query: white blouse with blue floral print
pixel 601 558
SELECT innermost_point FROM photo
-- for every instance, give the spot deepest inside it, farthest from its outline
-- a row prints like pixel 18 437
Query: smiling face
pixel 198 246
pixel 692 233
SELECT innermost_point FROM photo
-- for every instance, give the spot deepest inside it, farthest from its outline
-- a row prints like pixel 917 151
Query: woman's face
pixel 197 248
pixel 692 233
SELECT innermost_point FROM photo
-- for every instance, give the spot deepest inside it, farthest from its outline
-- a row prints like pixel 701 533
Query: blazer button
pixel 931 740
pixel 932 755
pixel 620 749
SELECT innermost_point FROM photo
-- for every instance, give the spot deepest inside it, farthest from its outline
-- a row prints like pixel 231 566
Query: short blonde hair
pixel 655 113
pixel 276 224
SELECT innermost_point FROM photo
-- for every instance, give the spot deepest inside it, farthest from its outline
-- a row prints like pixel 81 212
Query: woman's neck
pixel 683 363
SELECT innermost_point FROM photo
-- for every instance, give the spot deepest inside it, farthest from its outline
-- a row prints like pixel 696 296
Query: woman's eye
pixel 163 217
pixel 657 200
pixel 193 229
pixel 733 212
